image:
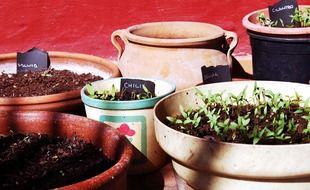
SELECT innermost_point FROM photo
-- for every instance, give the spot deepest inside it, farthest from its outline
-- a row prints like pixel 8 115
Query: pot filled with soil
pixel 130 112
pixel 174 51
pixel 45 150
pixel 55 89
pixel 280 53
pixel 238 135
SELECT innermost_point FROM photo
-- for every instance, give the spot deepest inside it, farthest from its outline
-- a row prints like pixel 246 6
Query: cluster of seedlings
pixel 263 118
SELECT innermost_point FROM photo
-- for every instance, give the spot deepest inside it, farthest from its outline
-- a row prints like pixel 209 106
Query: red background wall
pixel 85 26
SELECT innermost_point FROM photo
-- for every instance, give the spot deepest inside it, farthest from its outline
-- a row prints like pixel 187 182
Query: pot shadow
pixel 153 180
pixel 238 71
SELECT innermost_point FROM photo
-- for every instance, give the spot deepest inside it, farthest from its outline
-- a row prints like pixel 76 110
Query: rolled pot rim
pixel 129 104
pixel 256 27
pixel 222 142
pixel 171 42
pixel 123 158
pixel 68 95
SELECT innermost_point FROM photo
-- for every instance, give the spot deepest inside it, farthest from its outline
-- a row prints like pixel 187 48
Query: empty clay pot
pixel 174 51
pixel 114 145
pixel 65 102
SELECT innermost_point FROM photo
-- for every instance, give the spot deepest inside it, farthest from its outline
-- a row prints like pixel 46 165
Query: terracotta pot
pixel 206 164
pixel 278 53
pixel 134 119
pixel 174 51
pixel 114 145
pixel 68 101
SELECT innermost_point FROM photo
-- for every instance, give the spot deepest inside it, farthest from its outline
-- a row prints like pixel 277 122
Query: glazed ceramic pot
pixel 174 51
pixel 132 118
pixel 64 102
pixel 278 53
pixel 207 164
pixel 114 145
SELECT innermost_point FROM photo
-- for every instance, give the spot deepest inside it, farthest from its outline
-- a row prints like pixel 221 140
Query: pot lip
pixel 272 30
pixel 171 42
pixel 126 105
pixel 123 161
pixel 72 94
pixel 221 142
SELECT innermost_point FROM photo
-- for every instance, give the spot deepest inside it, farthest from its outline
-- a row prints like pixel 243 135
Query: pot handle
pixel 234 41
pixel 119 34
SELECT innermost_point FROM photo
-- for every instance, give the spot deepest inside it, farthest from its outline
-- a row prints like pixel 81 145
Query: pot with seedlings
pixel 127 105
pixel 238 135
pixel 280 51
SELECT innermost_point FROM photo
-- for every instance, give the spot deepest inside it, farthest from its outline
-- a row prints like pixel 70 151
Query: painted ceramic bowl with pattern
pixel 132 118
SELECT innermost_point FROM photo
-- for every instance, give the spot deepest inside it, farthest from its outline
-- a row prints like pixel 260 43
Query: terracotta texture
pixel 250 22
pixel 174 51
pixel 114 145
pixel 206 164
pixel 79 63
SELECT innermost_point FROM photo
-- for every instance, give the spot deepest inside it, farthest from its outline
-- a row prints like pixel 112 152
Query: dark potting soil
pixel 239 135
pixel 40 83
pixel 35 161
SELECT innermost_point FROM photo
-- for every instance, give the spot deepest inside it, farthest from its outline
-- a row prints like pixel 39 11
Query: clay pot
pixel 114 145
pixel 132 118
pixel 280 54
pixel 174 51
pixel 65 102
pixel 206 164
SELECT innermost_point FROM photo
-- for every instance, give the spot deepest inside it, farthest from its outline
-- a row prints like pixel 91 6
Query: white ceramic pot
pixel 134 119
pixel 210 165
pixel 174 51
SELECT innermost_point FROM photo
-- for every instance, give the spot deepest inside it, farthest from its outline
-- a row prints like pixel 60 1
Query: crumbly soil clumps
pixel 41 83
pixel 35 161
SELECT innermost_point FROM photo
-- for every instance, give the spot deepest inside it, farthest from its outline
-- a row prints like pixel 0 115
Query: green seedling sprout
pixel 268 117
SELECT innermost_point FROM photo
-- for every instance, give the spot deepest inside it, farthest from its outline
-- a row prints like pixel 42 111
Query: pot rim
pixel 272 30
pixel 123 159
pixel 221 142
pixel 207 155
pixel 171 42
pixel 72 94
pixel 129 104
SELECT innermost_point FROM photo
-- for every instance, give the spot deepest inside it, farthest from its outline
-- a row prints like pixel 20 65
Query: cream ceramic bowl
pixel 213 165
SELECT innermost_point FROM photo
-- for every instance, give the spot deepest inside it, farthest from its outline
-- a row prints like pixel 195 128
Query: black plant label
pixel 281 12
pixel 220 73
pixel 137 86
pixel 32 60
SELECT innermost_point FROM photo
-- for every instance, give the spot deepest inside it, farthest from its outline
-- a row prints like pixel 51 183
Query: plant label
pixel 281 12
pixel 220 73
pixel 32 60
pixel 137 86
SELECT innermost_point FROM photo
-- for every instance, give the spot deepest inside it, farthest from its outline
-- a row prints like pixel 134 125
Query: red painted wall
pixel 85 26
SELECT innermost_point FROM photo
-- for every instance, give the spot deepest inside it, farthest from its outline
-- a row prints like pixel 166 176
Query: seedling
pixel 264 118
pixel 301 18
pixel 114 95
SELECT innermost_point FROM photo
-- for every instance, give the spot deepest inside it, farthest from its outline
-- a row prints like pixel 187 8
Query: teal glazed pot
pixel 134 119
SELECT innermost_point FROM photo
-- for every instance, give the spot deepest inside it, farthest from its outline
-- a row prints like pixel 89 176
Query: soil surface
pixel 35 161
pixel 40 83
pixel 290 134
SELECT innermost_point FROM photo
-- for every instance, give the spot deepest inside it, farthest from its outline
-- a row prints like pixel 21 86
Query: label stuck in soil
pixel 32 60
pixel 281 12
pixel 220 73
pixel 136 85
